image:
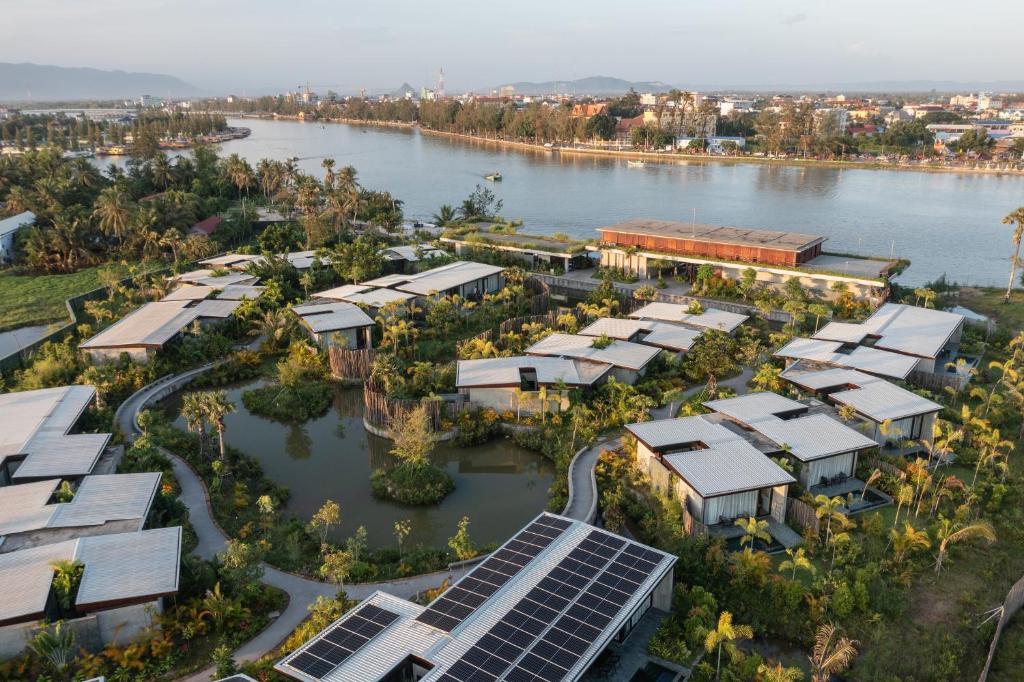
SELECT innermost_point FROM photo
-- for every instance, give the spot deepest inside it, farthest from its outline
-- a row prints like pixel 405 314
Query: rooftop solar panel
pixel 478 585
pixel 341 641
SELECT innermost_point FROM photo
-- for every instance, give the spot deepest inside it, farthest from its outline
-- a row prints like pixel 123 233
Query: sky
pixel 265 45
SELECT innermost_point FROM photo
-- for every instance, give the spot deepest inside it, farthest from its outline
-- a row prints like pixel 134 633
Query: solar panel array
pixel 483 581
pixel 548 631
pixel 342 640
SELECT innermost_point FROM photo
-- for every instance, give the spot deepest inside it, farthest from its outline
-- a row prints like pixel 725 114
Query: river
pixel 943 222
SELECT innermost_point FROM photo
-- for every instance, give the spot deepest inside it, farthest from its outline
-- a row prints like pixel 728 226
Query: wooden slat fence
pixel 1011 605
pixel 801 514
pixel 549 319
pixel 485 335
pixel 886 468
pixel 388 413
pixel 691 525
pixel 354 365
pixel 938 382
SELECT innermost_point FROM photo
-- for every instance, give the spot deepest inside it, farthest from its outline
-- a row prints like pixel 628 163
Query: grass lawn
pixel 39 299
pixel 988 301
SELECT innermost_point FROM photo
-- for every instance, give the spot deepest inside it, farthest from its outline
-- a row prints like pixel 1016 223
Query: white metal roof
pixel 341 293
pixel 151 325
pixel 235 292
pixel 711 318
pixel 618 353
pixel 368 296
pixel 872 397
pixel 230 260
pixel 409 253
pixel 904 328
pixel 864 358
pixel 98 500
pixel 190 292
pixel 123 567
pixel 727 467
pixel 16 222
pixel 406 637
pixel 661 334
pixel 753 407
pixel 208 278
pixel 667 432
pixel 329 317
pixel 506 371
pixel 215 307
pixel 437 280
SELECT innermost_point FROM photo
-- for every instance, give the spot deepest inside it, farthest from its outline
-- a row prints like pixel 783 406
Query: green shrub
pixel 297 403
pixel 412 482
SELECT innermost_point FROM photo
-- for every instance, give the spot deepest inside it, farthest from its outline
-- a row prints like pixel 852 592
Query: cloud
pixel 791 19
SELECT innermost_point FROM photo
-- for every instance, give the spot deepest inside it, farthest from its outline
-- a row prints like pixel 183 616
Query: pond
pixel 499 485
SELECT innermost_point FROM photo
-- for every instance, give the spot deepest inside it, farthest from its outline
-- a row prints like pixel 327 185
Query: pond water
pixel 499 485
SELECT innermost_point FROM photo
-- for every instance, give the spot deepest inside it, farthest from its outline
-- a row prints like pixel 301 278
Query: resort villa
pixel 891 414
pixel 541 608
pixel 525 384
pixel 102 504
pixel 533 251
pixel 36 439
pixel 715 472
pixel 9 227
pixel 300 260
pixel 336 324
pixel 833 354
pixel 466 279
pixel 628 360
pixel 400 257
pixel 370 298
pixel 648 247
pixel 150 327
pixel 823 449
pixel 676 313
pixel 671 338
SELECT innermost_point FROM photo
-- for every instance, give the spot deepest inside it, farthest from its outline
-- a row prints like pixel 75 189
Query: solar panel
pixel 549 630
pixel 478 585
pixel 341 641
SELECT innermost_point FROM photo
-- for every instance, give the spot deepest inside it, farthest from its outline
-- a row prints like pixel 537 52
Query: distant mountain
pixel 403 91
pixel 40 83
pixel 887 87
pixel 594 85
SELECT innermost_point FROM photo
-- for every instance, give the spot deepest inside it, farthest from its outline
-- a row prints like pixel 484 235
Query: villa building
pixel 541 608
pixel 823 449
pixel 834 354
pixel 466 279
pixel 646 247
pixel 891 414
pixel 370 298
pixel 514 383
pixel 36 439
pixel 628 360
pixel 717 474
pixel 336 324
pixel 9 227
pixel 676 313
pixel 534 251
pixel 400 257
pixel 671 338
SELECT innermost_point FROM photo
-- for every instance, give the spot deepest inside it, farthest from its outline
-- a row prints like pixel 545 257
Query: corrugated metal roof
pixel 727 467
pixel 664 432
pixel 506 371
pixel 151 325
pixel 438 280
pixel 378 298
pixel 23 507
pixel 340 293
pixel 881 400
pixel 661 334
pixel 207 278
pixel 327 317
pixel 128 566
pixel 54 455
pixel 409 253
pixel 753 407
pixel 905 328
pixel 236 292
pixel 16 222
pixel 618 353
pixel 189 292
pixel 864 358
pixel 26 576
pixel 813 436
pixel 215 307
pixel 711 318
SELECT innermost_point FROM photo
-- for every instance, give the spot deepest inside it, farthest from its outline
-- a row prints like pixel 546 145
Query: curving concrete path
pixel 302 591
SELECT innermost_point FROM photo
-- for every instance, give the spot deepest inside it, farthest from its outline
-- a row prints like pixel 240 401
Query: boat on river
pixel 635 164
pixel 493 177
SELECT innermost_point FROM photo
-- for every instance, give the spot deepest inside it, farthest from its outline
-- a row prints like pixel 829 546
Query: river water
pixel 943 222
pixel 499 485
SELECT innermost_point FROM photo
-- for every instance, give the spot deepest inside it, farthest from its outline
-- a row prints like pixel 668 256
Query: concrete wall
pixel 780 497
pixel 101 355
pixel 128 623
pixel 47 536
pixel 663 594
pixel 503 398
pixel 93 632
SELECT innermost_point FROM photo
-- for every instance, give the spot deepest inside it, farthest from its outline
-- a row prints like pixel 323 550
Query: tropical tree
pixel 906 542
pixel 67 574
pixel 325 518
pixel 819 311
pixel 55 646
pixel 753 529
pixel 778 673
pixel 114 209
pixel 445 216
pixel 460 543
pixel 828 508
pixel 336 566
pixel 768 378
pixel 832 653
pixel 797 560
pixel 401 532
pixel 193 410
pixel 724 634
pixel 1017 220
pixel 218 406
pixel 949 533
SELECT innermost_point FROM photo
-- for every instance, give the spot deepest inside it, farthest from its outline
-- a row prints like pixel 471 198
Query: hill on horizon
pixel 27 82
pixel 592 85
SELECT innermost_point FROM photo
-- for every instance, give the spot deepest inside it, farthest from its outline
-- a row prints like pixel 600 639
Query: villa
pixel 371 298
pixel 215 280
pixel 466 279
pixel 892 414
pixel 399 257
pixel 514 383
pixel 823 449
pixel 122 587
pixel 149 328
pixel 708 318
pixel 542 607
pixel 9 227
pixel 628 360
pixel 103 504
pixel 717 474
pixel 834 354
pixel 336 324
pixel 534 251
pixel 671 338
pixel 36 441
pixel 644 246
pixel 933 336
pixel 199 292
pixel 300 260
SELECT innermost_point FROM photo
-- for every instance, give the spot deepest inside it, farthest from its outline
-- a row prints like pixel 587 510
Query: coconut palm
pixel 832 653
pixel 767 378
pixel 797 560
pixel 905 495
pixel 444 216
pixel 1017 220
pixel 218 406
pixel 724 634
pixel 193 410
pixel 114 208
pixel 950 532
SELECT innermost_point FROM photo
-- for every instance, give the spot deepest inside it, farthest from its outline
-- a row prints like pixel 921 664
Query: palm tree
pixel 828 508
pixel 778 673
pixel 444 216
pixel 162 170
pixel 905 495
pixel 753 529
pixel 193 410
pixel 113 210
pixel 725 633
pixel 767 377
pixel 56 647
pixel 907 541
pixel 832 653
pixel 950 533
pixel 819 311
pixel 874 476
pixel 218 406
pixel 797 559
pixel 170 240
pixel 1017 220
